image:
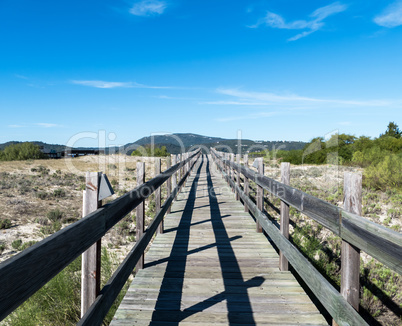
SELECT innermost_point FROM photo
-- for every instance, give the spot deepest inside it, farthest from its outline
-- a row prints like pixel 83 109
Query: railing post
pixel 260 192
pixel 158 193
pixel 232 171
pixel 179 170
pixel 188 163
pixel 238 175
pixel 285 179
pixel 246 182
pixel 350 255
pixel 140 212
pixel 174 176
pixel 90 267
pixel 227 157
pixel 169 181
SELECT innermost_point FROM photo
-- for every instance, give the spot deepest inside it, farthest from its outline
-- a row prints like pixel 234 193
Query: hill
pixel 175 143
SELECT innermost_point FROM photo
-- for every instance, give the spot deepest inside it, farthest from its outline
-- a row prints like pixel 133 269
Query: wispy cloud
pixel 391 16
pixel 38 124
pixel 249 98
pixel 251 116
pixel 109 84
pixel 47 125
pixel 310 26
pixel 21 76
pixel 148 8
pixel 100 83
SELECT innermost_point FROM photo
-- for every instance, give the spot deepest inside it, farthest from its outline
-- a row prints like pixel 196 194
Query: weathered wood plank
pixel 169 181
pixel 350 255
pixel 284 223
pixel 207 268
pixel 29 270
pixel 378 241
pixel 331 299
pixel 90 260
pixel 111 290
pixel 140 212
pixel 158 193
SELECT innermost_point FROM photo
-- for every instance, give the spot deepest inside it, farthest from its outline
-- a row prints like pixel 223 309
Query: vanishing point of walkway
pixel 211 267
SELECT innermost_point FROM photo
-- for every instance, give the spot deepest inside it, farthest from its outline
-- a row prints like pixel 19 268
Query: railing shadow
pixel 169 302
pixel 230 265
pixel 178 266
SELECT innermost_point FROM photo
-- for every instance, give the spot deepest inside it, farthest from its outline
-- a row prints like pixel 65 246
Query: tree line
pixel 381 157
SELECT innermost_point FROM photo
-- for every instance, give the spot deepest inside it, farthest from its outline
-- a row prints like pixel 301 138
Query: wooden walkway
pixel 210 267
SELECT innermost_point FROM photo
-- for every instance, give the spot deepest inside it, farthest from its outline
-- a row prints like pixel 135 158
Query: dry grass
pixel 30 190
pixel 381 289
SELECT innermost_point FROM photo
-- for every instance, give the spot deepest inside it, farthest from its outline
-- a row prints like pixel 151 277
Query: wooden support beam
pixel 140 212
pixel 179 170
pixel 246 182
pixel 285 179
pixel 186 165
pixel 237 175
pixel 231 170
pixel 174 176
pixel 169 181
pixel 158 193
pixel 260 192
pixel 90 267
pixel 350 255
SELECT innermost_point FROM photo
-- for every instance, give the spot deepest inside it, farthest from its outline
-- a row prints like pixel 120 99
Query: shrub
pixel 27 244
pixel 147 150
pixel 55 215
pixel 41 195
pixel 21 151
pixel 59 193
pixel 52 228
pixel 58 302
pixel 385 174
pixel 16 244
pixel 5 223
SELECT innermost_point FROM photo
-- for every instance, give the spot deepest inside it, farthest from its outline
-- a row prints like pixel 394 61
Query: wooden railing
pixel 25 273
pixel 379 242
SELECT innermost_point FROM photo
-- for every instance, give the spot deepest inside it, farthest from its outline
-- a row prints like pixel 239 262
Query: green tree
pixel 21 151
pixel 147 150
pixel 385 174
pixel 392 131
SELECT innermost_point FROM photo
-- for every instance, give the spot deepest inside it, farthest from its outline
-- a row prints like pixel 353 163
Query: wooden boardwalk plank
pixel 211 267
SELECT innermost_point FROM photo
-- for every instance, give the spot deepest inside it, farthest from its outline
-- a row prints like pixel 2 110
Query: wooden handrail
pixel 376 240
pixel 337 306
pixel 97 312
pixel 25 273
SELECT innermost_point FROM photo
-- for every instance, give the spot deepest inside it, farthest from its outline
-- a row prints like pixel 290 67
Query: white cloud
pixel 148 8
pixel 391 16
pixel 247 98
pixel 251 116
pixel 314 24
pixel 108 84
pixel 21 76
pixel 100 83
pixel 47 125
pixel 15 126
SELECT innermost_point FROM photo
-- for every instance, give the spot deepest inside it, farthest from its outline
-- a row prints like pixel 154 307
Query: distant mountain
pixel 175 143
pixel 55 147
pixel 177 139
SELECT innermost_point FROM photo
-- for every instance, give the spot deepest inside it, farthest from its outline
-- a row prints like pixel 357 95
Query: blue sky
pixel 275 70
